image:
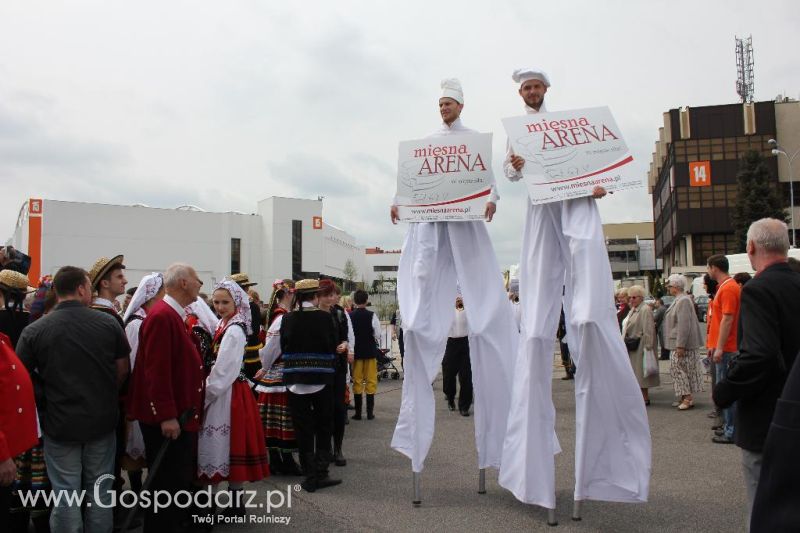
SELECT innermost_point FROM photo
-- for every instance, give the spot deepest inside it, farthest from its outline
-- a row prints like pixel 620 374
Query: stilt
pixel 551 517
pixel 482 481
pixel 417 493
pixel 576 510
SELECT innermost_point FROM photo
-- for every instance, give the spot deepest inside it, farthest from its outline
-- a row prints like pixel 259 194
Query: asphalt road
pixel 696 485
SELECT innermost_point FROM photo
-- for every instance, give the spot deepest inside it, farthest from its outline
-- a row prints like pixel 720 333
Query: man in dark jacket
pixel 775 507
pixel 77 358
pixel 769 340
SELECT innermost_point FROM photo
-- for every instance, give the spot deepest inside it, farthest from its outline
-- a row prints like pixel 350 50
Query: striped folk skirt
pixel 31 476
pixel 687 375
pixel 277 421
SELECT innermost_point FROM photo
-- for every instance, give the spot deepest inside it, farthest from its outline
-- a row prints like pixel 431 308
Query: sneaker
pixel 676 403
pixel 713 414
pixel 721 439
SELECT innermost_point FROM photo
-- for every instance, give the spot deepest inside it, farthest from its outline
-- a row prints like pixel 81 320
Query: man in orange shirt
pixel 722 333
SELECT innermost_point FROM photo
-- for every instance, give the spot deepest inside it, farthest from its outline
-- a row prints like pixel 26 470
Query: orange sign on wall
pixel 700 174
pixel 35 240
pixel 316 222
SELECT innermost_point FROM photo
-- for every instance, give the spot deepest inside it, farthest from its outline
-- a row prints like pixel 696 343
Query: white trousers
pixel 436 257
pixel 564 246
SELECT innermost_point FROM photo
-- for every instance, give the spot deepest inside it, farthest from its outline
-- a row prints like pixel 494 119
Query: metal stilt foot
pixel 482 481
pixel 417 501
pixel 551 517
pixel 576 510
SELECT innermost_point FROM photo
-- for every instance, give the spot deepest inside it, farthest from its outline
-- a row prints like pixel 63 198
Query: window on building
pixel 297 249
pixel 384 268
pixel 236 256
pixel 704 246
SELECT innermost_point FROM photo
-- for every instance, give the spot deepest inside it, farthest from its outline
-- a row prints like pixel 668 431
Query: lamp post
pixel 778 149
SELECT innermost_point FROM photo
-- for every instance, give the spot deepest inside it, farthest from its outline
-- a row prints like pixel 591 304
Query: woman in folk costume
pixel 272 399
pixel 148 292
pixel 230 443
pixel 201 323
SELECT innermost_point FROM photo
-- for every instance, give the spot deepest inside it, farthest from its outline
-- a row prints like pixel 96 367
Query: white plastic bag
pixel 649 363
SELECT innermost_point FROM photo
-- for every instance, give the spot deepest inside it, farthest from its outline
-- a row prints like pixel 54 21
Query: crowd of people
pixel 750 344
pixel 206 390
pixel 98 381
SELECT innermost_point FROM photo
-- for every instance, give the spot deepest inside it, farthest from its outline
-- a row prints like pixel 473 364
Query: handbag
pixel 632 343
pixel 649 363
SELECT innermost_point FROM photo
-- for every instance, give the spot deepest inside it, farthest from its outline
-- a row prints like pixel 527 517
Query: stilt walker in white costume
pixel 436 256
pixel 563 245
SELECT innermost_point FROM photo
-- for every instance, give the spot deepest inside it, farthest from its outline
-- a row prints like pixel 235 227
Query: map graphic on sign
pixel 444 178
pixel 568 153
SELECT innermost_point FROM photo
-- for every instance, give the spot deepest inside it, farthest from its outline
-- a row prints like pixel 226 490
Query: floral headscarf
pixel 205 315
pixel 38 305
pixel 241 301
pixel 277 286
pixel 147 289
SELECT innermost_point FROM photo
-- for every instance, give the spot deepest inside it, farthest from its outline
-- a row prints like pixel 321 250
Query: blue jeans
pixel 76 466
pixel 728 413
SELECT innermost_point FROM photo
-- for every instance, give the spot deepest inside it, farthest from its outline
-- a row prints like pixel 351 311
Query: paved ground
pixel 696 485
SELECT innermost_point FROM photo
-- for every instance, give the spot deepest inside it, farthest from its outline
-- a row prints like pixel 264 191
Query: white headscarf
pixel 205 316
pixel 241 301
pixel 147 289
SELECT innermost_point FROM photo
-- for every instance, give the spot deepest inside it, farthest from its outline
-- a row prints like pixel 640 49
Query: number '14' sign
pixel 700 173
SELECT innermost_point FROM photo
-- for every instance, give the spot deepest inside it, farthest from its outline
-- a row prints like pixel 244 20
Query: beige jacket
pixel 681 328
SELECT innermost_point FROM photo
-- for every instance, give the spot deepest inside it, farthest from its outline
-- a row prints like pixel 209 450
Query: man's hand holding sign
pixel 570 154
pixel 445 179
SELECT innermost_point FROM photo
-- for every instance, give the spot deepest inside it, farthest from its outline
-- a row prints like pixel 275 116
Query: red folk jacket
pixel 18 431
pixel 168 377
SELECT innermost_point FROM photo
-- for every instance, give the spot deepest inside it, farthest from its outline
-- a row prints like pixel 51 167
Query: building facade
pixel 284 238
pixel 692 177
pixel 630 249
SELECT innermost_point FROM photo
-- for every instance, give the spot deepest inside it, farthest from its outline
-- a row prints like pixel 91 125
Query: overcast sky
pixel 220 104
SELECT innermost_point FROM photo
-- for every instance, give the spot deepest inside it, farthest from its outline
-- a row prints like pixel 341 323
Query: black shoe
pixel 567 377
pixel 338 458
pixel 309 484
pixel 451 404
pixel 719 432
pixel 722 439
pixel 358 398
pixel 237 507
pixel 370 406
pixel 464 412
pixel 290 467
pixel 323 482
pixel 716 427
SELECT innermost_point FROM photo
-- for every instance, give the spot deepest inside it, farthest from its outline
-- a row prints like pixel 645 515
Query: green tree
pixel 350 272
pixel 758 196
pixel 658 288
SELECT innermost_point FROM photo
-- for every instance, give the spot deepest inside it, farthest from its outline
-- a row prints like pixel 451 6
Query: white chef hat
pixel 451 88
pixel 521 75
